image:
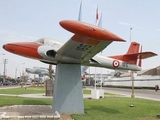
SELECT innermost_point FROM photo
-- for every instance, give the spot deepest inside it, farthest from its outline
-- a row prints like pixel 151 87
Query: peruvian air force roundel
pixel 115 63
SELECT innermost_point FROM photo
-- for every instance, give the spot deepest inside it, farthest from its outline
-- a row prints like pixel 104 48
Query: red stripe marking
pixel 84 39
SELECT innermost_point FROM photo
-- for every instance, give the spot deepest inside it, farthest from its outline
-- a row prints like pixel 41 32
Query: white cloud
pixel 158 29
pixel 125 23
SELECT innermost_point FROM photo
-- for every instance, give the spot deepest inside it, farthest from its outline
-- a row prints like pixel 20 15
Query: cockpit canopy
pixel 49 42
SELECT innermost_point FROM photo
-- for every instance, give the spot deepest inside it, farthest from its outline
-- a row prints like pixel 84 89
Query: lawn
pixel 113 108
pixel 108 108
pixel 8 101
pixel 106 94
pixel 28 90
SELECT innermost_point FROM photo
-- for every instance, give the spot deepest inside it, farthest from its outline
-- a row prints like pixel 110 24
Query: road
pixel 139 93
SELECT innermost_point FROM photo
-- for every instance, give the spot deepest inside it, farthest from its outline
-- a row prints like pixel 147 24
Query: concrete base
pixel 68 97
pixel 101 93
pixel 95 94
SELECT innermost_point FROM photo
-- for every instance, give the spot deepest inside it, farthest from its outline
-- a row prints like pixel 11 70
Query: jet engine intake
pixel 51 53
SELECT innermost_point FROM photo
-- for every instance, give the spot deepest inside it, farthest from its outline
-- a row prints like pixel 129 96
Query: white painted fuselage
pixel 97 60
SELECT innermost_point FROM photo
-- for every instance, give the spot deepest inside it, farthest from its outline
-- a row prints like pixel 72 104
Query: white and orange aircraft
pixel 81 48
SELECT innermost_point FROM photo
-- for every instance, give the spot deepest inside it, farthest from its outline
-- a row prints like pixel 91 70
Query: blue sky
pixel 29 20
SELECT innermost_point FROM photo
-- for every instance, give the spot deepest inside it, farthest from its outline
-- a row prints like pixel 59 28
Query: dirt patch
pixel 30 112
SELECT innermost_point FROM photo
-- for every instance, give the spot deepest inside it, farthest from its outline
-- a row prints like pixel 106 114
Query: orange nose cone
pixel 26 49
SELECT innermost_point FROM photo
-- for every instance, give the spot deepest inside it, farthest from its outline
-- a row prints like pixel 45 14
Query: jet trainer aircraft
pixel 38 70
pixel 81 48
pixel 45 71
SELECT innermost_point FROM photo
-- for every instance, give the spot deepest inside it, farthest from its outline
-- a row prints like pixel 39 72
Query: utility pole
pixel 132 74
pixel 130 34
pixel 4 72
pixel 16 71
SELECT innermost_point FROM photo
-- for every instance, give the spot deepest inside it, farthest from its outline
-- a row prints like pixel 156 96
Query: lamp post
pixel 132 74
pixel 130 34
pixel 4 72
pixel 16 71
pixel 4 69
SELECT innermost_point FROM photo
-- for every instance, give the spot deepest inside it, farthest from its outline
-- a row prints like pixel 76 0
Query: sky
pixel 29 20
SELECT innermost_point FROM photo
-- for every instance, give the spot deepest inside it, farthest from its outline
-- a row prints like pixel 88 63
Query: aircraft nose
pixel 4 46
pixel 27 49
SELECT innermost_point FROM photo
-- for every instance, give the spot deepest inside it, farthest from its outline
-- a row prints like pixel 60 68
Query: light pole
pixel 4 69
pixel 130 34
pixel 16 71
pixel 4 72
pixel 132 75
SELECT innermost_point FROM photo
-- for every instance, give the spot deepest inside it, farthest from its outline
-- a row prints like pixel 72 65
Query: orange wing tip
pixel 89 30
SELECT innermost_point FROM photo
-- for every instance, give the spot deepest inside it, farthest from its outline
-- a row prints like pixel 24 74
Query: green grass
pixel 119 109
pixel 8 101
pixel 86 91
pixel 17 91
pixel 109 108
pixel 106 94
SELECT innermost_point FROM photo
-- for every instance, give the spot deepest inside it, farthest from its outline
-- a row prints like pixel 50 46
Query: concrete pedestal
pixel 95 94
pixel 101 93
pixel 67 97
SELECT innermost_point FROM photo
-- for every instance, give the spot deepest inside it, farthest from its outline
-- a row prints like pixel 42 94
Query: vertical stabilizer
pixel 133 51
pixel 134 48
pixel 133 55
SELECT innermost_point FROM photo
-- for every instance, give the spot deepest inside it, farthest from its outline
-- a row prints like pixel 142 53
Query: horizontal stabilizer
pixel 143 55
pixel 134 54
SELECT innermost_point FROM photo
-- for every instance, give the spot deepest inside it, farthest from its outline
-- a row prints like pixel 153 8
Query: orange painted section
pixel 89 30
pixel 84 39
pixel 27 49
pixel 132 54
pixel 134 48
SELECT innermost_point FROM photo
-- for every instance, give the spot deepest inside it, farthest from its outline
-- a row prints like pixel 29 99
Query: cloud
pixel 9 36
pixel 125 23
pixel 131 25
pixel 158 29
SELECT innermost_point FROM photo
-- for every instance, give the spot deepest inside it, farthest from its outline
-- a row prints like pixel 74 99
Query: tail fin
pixel 134 54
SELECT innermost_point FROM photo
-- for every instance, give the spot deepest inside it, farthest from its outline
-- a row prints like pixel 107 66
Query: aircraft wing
pixel 87 41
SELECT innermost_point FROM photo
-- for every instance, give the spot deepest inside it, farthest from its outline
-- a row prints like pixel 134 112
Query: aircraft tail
pixel 134 54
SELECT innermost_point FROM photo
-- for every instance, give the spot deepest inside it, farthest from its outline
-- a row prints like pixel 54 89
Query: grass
pixel 106 94
pixel 103 109
pixel 119 109
pixel 108 108
pixel 17 91
pixel 86 91
pixel 8 101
